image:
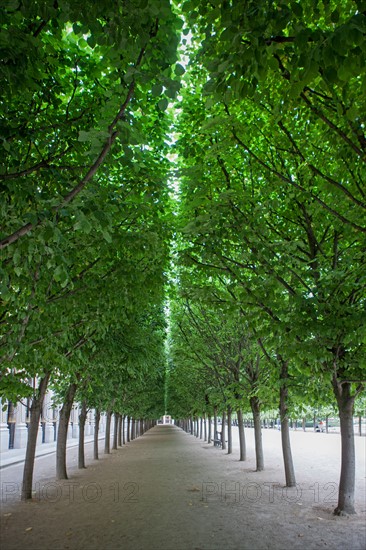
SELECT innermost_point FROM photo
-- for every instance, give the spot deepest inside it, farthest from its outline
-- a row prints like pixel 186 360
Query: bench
pixel 217 441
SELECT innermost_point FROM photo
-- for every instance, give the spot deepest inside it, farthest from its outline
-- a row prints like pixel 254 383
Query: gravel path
pixel 168 490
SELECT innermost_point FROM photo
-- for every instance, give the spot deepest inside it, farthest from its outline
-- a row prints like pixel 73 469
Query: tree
pixel 89 103
pixel 275 213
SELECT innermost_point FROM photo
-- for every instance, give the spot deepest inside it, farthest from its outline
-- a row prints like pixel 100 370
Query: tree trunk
pixel 215 422
pixel 119 430
pixel 229 432
pixel 304 424
pixel 33 427
pixel 346 492
pixel 192 427
pixel 209 429
pixel 255 406
pixel 223 431
pixel 61 472
pixel 243 450
pixel 82 420
pixel 107 441
pixel 201 427
pixel 128 428
pixel 132 429
pixel 204 427
pixel 96 434
pixel 123 430
pixel 285 430
pixel 115 431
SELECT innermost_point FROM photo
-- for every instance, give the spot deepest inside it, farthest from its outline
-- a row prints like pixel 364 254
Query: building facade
pixel 14 420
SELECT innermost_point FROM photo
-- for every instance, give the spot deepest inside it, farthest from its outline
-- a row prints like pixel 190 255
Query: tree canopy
pixel 182 203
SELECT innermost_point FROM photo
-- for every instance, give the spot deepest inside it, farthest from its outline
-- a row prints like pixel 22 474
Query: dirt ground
pixel 169 490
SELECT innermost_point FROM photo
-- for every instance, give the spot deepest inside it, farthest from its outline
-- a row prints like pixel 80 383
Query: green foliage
pixel 272 147
pixel 268 225
pixel 83 179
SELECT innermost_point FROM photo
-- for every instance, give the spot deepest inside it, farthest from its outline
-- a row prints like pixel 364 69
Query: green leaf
pixel 83 223
pixel 334 17
pixel 76 28
pixel 157 90
pixel 17 256
pixel 82 43
pixel 91 41
pixel 84 136
pixel 163 104
pixel 344 72
pixel 107 236
pixel 60 274
pixel 179 69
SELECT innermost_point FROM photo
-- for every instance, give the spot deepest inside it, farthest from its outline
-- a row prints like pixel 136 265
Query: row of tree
pixel 84 228
pixel 271 151
pixel 268 234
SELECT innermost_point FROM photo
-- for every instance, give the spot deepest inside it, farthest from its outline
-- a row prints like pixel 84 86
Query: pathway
pixel 168 490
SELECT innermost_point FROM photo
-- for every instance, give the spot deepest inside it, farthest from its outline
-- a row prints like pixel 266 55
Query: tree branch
pixel 92 170
pixel 296 185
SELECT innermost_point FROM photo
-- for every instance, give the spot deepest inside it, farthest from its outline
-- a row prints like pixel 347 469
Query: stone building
pixel 14 419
